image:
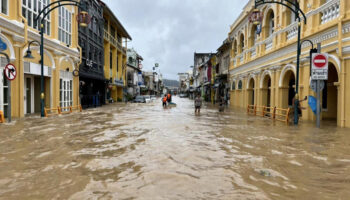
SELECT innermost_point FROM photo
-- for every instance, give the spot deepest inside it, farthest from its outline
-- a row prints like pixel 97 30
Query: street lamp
pixel 29 52
pixel 294 6
pixel 83 18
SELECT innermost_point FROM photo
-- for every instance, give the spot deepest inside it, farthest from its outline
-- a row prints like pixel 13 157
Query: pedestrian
pixel 222 104
pixel 169 97
pixel 164 100
pixel 197 104
pixel 299 105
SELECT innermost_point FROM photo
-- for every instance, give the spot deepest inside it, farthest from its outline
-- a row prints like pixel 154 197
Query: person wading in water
pixel 197 104
pixel 164 100
pixel 169 98
pixel 300 108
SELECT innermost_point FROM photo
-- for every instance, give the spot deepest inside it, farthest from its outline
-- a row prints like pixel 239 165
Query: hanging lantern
pixel 83 19
pixel 256 17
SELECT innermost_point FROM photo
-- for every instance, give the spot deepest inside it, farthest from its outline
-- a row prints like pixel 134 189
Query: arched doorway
pixel 266 91
pixel 288 89
pixel 251 91
pixel 330 95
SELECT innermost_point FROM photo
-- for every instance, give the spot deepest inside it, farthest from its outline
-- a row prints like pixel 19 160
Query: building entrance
pixel 288 89
pixel 330 95
pixel 266 91
pixel 3 91
pixel 251 92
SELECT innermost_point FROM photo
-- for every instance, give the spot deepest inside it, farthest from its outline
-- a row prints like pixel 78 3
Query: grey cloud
pixel 170 31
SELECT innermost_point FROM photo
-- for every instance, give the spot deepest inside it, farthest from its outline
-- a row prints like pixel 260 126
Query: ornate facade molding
pixel 285 51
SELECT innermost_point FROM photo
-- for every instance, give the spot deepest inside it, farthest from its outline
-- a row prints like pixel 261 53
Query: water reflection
pixel 142 151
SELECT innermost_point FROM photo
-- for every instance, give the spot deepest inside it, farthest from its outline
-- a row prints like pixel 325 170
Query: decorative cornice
pixel 285 51
pixel 18 38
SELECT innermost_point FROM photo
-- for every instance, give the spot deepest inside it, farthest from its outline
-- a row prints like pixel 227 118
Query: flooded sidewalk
pixel 142 151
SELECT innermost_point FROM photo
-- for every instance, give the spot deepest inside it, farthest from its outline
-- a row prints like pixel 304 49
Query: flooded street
pixel 141 151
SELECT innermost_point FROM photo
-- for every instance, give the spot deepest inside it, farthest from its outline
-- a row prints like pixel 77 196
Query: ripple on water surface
pixel 142 151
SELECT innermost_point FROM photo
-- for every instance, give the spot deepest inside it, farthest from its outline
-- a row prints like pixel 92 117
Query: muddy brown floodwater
pixel 141 151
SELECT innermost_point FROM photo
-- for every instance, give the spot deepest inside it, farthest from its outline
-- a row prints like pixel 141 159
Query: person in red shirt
pixel 164 100
pixel 169 98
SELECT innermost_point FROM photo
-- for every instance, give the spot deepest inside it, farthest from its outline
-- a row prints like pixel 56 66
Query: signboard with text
pixel 319 68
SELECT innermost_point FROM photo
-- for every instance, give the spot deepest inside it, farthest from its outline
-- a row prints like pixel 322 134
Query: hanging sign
pixel 10 72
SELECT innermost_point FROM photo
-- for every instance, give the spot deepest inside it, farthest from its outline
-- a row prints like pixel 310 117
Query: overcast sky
pixel 168 32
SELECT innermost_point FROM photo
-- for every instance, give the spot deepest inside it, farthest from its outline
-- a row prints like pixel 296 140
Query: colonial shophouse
pixel 61 56
pixel 263 67
pixel 115 46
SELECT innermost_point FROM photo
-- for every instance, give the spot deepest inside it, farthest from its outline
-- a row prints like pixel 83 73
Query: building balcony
pixel 292 31
pixel 253 52
pixel 329 11
pixel 269 44
pixel 323 28
pixel 241 58
pixel 114 41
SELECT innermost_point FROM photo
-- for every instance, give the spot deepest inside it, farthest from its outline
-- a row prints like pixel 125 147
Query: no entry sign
pixel 10 72
pixel 319 69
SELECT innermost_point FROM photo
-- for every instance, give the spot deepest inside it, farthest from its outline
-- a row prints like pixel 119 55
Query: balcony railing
pixel 106 34
pixel 114 41
pixel 292 31
pixel 329 11
pixel 268 44
pixel 241 58
pixel 253 52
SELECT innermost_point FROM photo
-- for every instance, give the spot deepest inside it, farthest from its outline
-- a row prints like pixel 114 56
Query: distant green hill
pixel 171 83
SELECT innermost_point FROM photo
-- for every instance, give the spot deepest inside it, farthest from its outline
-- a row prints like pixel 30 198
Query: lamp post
pixel 83 18
pixel 294 6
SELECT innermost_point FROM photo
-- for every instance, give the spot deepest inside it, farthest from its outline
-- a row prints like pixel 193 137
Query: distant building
pixel 202 71
pixel 221 84
pixel 133 72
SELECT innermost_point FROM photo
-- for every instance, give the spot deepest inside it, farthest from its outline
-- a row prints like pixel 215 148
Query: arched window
pixel 235 49
pixel 271 23
pixel 291 15
pixel 234 85
pixel 254 35
pixel 240 85
pixel 241 42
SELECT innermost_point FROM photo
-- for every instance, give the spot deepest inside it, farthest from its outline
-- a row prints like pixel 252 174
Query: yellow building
pixel 61 56
pixel 263 67
pixel 115 46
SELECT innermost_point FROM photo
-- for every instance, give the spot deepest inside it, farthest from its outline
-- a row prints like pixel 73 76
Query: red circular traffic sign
pixel 10 72
pixel 320 61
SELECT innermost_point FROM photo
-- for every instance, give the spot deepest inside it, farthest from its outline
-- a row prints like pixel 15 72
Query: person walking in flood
pixel 197 104
pixel 222 104
pixel 164 100
pixel 300 108
pixel 169 97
